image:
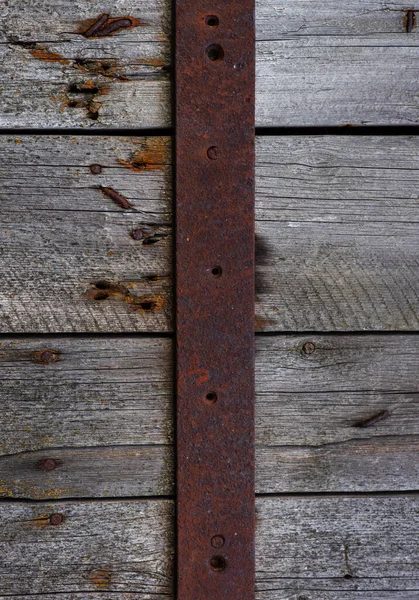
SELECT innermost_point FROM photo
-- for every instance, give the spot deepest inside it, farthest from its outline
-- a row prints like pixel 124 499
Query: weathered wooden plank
pixel 337 232
pixel 124 547
pixel 318 63
pixel 55 76
pixel 337 243
pixel 103 411
pixel 328 548
pixel 359 547
pixel 74 259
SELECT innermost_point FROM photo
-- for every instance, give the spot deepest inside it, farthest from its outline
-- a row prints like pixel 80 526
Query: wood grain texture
pixel 320 548
pixel 69 260
pixel 124 547
pixel 53 76
pixel 337 224
pixel 318 63
pixel 329 548
pixel 103 411
pixel 336 227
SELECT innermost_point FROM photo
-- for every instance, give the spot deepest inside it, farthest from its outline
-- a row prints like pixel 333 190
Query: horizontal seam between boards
pixel 260 131
pixel 86 499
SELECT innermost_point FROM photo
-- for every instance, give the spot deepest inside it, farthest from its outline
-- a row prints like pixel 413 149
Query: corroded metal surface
pixel 215 298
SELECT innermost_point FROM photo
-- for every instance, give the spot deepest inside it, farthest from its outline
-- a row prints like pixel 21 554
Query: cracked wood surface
pixel 317 548
pixel 102 410
pixel 336 233
pixel 318 63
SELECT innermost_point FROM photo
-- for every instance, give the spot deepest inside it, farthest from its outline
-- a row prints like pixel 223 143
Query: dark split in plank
pixel 337 244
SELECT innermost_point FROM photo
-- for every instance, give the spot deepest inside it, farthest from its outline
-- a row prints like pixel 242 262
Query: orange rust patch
pixel 46 356
pixel 83 95
pixel 101 578
pixel 43 53
pixel 152 62
pixel 41 521
pixel 103 291
pixel 262 323
pixel 89 87
pixel 152 155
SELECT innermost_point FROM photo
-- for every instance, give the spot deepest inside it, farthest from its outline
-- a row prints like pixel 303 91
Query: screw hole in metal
pixel 211 398
pixel 212 21
pixel 217 271
pixel 218 563
pixel 213 153
pixel 215 52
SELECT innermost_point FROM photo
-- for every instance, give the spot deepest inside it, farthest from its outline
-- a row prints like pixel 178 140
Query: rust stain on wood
pixel 105 290
pixel 152 155
pixel 262 323
pixel 106 25
pixel 46 357
pixel 101 578
pixel 139 234
pixel 39 522
pixel 152 62
pixel 47 55
pixel 84 95
pixel 147 304
pixel 107 68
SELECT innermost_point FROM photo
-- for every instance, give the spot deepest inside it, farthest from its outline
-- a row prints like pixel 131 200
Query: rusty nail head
pixel 49 464
pixel 95 169
pixel 309 348
pixel 47 357
pixel 56 519
pixel 138 234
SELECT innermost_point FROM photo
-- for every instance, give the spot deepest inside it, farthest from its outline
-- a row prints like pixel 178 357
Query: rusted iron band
pixel 215 80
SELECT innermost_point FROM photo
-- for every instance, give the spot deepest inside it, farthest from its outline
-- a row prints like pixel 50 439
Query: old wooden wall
pixel 86 349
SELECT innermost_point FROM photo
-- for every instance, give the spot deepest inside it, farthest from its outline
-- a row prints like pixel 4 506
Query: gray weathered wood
pixel 337 243
pixel 61 235
pixel 104 412
pixel 329 548
pixel 99 548
pixel 317 548
pixel 337 233
pixel 318 63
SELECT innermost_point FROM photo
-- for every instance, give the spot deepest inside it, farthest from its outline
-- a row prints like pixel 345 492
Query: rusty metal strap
pixel 215 80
